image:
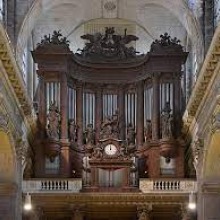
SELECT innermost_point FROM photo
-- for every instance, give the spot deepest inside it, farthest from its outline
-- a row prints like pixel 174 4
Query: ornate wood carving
pixel 106 65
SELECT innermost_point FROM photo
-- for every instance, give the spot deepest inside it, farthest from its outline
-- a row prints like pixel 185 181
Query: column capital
pixel 184 212
pixel 144 211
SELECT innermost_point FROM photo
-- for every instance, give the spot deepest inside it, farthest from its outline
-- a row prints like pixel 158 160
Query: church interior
pixel 109 109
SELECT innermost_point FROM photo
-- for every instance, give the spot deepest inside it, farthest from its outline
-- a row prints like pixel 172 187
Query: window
pixel 24 64
pixel 1 9
pixel 216 12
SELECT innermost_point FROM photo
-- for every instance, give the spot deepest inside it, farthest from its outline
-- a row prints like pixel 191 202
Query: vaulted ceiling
pixel 149 17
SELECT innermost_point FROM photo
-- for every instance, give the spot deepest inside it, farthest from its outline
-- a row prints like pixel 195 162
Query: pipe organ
pixel 105 110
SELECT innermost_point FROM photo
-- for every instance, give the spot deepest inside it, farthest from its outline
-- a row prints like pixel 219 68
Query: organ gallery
pixel 110 116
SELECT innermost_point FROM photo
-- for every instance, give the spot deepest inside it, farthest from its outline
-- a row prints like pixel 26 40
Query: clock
pixel 110 150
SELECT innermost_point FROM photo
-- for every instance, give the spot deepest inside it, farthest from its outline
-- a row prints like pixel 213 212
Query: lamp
pixel 192 201
pixel 27 203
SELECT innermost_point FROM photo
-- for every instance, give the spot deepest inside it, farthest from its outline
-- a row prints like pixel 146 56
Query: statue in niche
pixel 167 122
pixel 131 134
pixel 148 130
pixel 72 130
pixel 53 122
pixel 89 134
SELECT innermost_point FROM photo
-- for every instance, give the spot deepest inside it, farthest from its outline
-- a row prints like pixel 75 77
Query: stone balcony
pixel 148 186
pixel 168 186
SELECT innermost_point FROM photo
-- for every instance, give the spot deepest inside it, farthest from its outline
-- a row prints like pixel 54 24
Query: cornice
pixel 111 198
pixel 13 76
pixel 204 83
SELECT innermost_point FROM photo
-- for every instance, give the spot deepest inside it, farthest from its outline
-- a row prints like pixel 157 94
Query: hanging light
pixel 27 203
pixel 192 201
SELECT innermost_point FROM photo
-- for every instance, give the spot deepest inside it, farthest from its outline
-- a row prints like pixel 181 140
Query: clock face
pixel 110 149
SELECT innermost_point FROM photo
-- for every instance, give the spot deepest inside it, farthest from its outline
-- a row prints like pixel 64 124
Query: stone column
pixel 156 108
pixel 208 201
pixel 98 114
pixel 208 22
pixel 79 115
pixel 121 106
pixel 22 162
pixel 65 152
pixel 140 115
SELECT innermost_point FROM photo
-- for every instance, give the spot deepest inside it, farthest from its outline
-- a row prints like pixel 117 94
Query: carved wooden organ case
pixel 107 114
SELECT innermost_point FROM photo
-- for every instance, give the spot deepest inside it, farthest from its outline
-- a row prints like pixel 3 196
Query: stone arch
pixel 8 165
pixel 211 164
pixel 179 9
pixel 9 193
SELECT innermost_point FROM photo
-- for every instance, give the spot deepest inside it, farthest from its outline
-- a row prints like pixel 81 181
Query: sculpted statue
pixel 106 128
pixel 131 134
pixel 167 122
pixel 108 46
pixel 148 131
pixel 110 126
pixel 89 134
pixel 53 122
pixel 97 152
pixel 72 130
pixel 55 39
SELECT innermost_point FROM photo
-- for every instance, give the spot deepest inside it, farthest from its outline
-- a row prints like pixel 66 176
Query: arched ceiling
pixel 155 16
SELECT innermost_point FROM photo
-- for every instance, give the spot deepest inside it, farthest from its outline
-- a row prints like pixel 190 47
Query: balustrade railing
pixel 75 185
pixel 52 185
pixel 168 186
